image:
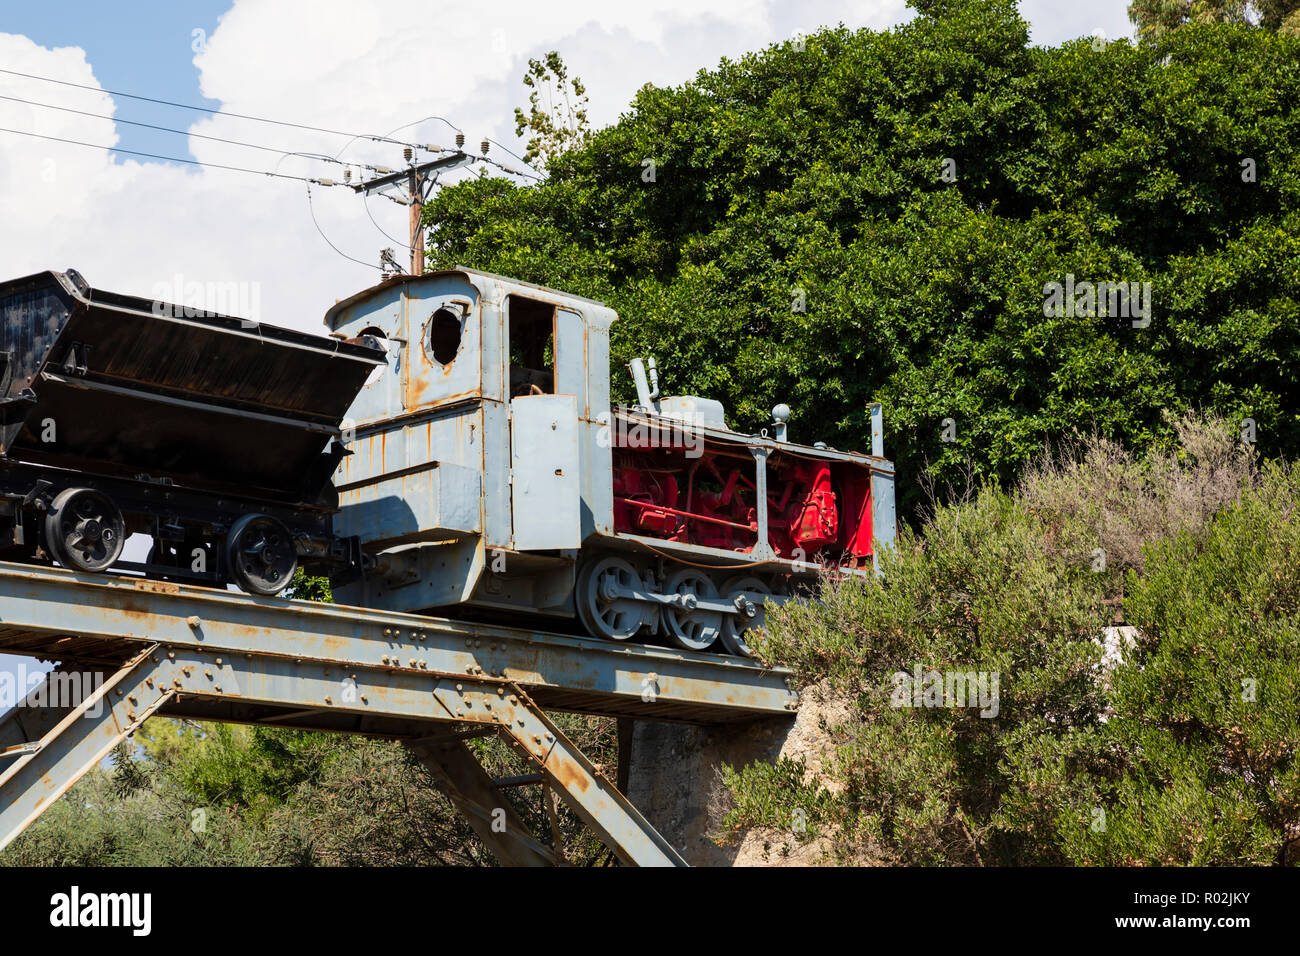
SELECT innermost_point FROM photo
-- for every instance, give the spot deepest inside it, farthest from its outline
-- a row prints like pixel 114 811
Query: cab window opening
pixel 531 347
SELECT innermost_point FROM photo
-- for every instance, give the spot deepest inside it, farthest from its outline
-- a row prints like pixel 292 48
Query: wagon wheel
pixel 260 554
pixel 754 592
pixel 600 608
pixel 687 626
pixel 84 530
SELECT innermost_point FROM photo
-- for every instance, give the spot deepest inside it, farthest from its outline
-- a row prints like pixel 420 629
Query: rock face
pixel 676 780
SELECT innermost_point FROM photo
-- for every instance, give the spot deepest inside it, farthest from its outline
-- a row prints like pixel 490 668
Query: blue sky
pixel 144 47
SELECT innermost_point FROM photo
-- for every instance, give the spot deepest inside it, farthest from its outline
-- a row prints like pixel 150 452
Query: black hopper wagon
pixel 214 436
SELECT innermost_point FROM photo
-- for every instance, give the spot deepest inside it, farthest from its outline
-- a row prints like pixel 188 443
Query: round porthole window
pixel 445 329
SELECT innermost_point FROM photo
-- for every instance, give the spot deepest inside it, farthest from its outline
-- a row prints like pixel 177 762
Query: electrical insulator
pixel 407 154
pixel 460 139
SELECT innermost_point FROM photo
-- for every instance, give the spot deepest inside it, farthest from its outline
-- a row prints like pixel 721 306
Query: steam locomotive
pixel 450 448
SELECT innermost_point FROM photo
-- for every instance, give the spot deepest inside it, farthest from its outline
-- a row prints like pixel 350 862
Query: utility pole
pixel 419 179
pixel 415 189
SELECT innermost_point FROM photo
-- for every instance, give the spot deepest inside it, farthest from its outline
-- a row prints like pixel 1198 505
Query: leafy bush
pixel 1165 757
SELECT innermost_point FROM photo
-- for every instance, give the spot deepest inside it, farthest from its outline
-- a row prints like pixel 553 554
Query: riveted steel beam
pixel 163 673
pixel 84 735
pixel 54 613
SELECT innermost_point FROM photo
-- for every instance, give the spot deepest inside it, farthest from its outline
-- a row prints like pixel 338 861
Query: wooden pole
pixel 416 184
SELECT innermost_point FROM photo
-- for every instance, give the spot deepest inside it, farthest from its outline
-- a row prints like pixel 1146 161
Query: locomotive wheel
pixel 601 610
pixel 260 554
pixel 84 530
pixel 689 627
pixel 734 626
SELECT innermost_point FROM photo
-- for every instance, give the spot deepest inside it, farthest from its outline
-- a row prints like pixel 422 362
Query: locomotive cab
pixel 468 478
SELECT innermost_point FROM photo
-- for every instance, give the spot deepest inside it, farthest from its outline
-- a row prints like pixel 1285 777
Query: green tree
pixel 874 216
pixel 556 120
pixel 1155 18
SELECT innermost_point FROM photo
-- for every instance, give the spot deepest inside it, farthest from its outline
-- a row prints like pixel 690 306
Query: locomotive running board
pixel 195 652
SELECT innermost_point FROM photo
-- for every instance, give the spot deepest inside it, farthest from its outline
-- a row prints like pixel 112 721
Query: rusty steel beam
pixel 593 798
pixel 163 673
pixel 84 736
pixel 54 613
pixel 467 785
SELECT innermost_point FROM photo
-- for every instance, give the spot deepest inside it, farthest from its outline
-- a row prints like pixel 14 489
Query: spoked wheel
pixel 687 626
pixel 84 530
pixel 753 593
pixel 260 554
pixel 600 608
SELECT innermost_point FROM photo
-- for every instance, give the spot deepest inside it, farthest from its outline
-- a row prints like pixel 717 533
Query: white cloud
pixel 360 65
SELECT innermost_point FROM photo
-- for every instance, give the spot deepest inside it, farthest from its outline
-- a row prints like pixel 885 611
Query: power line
pixel 203 109
pixel 173 159
pixel 312 209
pixel 181 132
pixel 516 156
pixel 365 201
pixel 244 116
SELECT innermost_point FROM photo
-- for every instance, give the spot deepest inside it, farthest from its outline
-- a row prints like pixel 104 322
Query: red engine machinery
pixel 817 510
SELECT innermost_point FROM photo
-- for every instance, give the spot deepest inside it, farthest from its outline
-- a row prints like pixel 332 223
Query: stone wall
pixel 675 779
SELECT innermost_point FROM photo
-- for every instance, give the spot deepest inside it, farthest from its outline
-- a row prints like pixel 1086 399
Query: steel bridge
pixel 432 683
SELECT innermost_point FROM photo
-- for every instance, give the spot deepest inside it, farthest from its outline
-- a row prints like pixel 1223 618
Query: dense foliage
pixel 1181 749
pixel 813 177
pixel 190 794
